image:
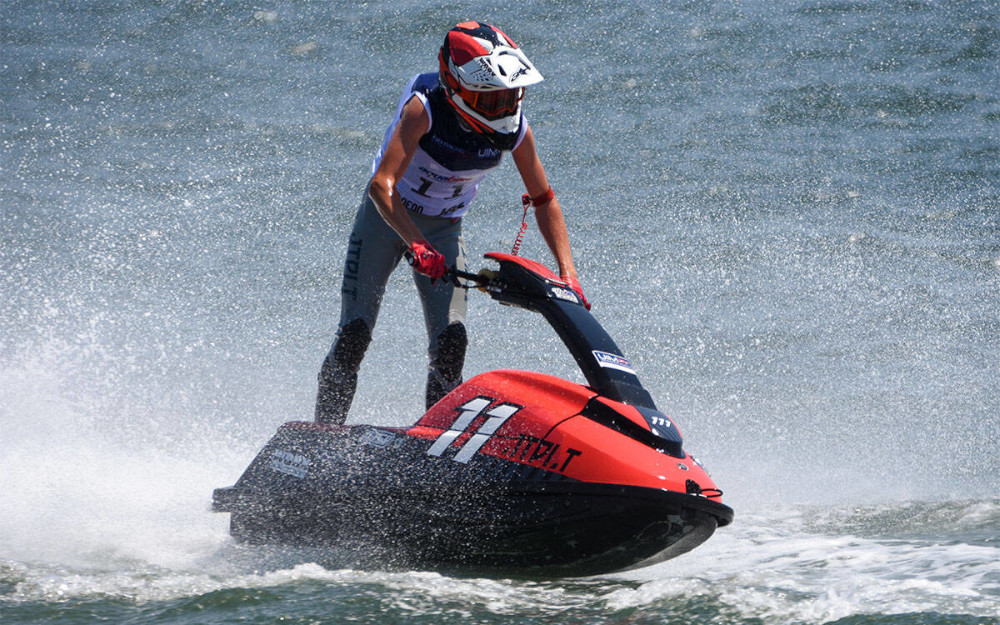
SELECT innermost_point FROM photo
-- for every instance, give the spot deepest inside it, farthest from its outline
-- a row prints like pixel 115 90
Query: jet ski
pixel 513 471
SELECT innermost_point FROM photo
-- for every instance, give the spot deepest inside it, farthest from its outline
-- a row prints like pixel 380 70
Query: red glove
pixel 427 260
pixel 575 285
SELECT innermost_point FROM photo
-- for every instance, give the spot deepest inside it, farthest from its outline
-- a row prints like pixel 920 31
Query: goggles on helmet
pixel 494 104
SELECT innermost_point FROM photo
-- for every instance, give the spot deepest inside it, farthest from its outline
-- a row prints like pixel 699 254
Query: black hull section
pixel 562 529
pixel 403 508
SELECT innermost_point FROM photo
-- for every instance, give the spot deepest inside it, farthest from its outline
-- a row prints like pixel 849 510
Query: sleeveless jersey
pixel 450 160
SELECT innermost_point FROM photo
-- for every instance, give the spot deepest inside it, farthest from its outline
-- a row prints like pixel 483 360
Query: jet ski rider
pixel 451 128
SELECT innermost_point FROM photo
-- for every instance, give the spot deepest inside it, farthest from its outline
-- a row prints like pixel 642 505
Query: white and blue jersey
pixel 450 161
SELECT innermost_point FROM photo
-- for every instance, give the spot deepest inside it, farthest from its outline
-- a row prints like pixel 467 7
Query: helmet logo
pixel 485 72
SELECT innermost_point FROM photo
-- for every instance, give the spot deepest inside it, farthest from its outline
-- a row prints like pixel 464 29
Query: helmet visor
pixel 494 104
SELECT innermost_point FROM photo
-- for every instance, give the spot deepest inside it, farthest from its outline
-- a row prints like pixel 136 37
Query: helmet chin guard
pixel 485 73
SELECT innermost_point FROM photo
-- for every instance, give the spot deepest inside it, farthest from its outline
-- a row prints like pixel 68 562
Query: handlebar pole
pixel 453 275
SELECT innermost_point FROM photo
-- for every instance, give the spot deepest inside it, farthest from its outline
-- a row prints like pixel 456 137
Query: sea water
pixel 786 213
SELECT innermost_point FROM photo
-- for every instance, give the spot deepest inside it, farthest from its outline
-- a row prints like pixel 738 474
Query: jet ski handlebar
pixel 518 282
pixel 465 280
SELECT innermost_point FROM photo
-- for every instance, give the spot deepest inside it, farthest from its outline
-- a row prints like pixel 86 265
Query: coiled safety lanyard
pixel 526 202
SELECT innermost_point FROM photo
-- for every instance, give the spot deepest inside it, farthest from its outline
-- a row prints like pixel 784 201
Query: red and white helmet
pixel 485 73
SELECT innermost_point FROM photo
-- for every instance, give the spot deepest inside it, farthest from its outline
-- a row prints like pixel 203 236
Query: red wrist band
pixel 544 198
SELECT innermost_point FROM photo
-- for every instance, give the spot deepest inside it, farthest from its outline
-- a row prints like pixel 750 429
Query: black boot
pixel 338 377
pixel 445 372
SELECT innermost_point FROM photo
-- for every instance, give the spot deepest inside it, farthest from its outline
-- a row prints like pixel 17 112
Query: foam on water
pixel 77 490
pixel 772 566
pixel 776 564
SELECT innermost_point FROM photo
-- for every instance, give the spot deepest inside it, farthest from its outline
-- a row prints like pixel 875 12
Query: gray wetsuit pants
pixel 373 251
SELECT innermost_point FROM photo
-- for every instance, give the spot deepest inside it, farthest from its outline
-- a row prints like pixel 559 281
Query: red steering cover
pixel 528 264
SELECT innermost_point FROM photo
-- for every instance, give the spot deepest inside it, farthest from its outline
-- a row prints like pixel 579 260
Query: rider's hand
pixel 575 285
pixel 427 260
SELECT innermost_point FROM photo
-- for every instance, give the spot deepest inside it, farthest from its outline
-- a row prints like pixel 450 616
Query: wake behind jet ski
pixel 513 471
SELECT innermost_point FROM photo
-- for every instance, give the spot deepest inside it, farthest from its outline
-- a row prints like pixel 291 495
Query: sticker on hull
pixel 495 417
pixel 613 361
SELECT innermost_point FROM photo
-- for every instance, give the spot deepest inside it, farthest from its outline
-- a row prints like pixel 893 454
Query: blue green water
pixel 787 215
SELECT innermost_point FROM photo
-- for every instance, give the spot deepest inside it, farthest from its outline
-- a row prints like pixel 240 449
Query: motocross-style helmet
pixel 485 73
